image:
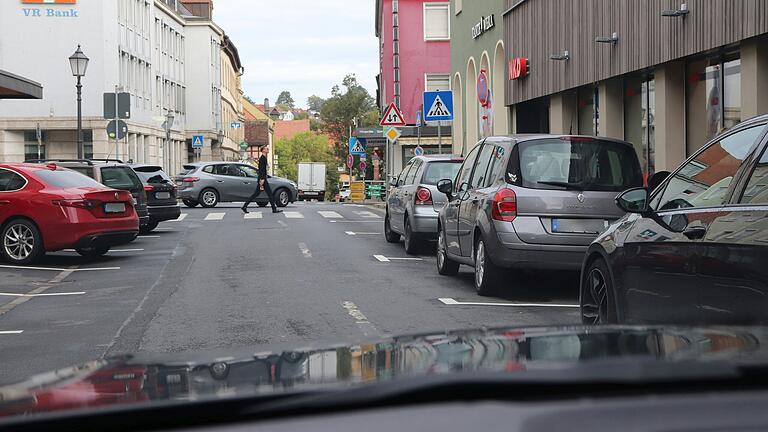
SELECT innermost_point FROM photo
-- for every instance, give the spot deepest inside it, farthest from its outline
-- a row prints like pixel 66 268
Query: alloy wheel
pixel 19 242
pixel 595 308
pixel 209 198
pixel 440 250
pixel 283 198
pixel 480 263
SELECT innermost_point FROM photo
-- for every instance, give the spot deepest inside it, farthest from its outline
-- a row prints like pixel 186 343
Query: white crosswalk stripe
pixel 180 218
pixel 293 215
pixel 252 215
pixel 367 214
pixel 330 215
pixel 215 216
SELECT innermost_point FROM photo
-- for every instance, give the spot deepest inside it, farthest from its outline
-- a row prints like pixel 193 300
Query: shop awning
pixel 15 87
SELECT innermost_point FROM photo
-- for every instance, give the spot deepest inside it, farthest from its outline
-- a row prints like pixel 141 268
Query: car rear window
pixel 152 175
pixel 120 177
pixel 66 179
pixel 437 171
pixel 584 164
pixel 187 169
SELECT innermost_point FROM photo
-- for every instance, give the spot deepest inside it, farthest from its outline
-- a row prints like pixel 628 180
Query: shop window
pixel 435 82
pixel 436 21
pixel 639 119
pixel 713 99
pixel 589 118
pixel 31 145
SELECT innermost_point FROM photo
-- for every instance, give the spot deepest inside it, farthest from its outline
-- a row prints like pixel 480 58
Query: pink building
pixel 414 56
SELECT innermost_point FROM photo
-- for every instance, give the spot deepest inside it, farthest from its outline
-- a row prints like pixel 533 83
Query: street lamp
pixel 79 63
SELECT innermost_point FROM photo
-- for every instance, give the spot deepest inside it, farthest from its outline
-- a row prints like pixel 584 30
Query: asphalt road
pixel 318 272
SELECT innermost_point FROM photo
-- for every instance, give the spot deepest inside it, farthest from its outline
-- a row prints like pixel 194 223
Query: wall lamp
pixel 611 40
pixel 683 11
pixel 564 56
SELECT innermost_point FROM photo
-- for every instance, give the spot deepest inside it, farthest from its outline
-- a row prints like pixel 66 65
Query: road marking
pixel 330 215
pixel 215 216
pixel 51 283
pixel 453 302
pixel 282 223
pixel 383 258
pixel 349 221
pixel 58 269
pixel 126 250
pixel 180 218
pixel 363 323
pixel 368 214
pixel 293 215
pixel 253 215
pixel 43 295
pixel 148 236
pixel 305 250
pixel 11 332
pixel 351 233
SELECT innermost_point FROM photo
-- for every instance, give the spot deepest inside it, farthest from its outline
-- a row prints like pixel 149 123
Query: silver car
pixel 209 183
pixel 531 201
pixel 413 201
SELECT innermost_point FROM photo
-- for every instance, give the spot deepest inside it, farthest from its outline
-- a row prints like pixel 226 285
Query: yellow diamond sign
pixel 393 134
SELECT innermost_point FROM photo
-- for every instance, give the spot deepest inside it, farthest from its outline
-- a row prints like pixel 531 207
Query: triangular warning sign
pixel 358 148
pixel 438 109
pixel 392 117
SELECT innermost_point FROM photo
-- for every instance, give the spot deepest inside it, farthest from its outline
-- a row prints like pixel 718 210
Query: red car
pixel 45 208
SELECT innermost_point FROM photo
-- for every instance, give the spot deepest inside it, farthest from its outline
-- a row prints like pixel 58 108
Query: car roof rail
pixel 40 161
pixel 107 160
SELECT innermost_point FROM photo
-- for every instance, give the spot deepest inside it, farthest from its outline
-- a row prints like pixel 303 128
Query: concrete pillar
pixel 612 108
pixel 754 77
pixel 512 119
pixel 670 115
pixel 563 113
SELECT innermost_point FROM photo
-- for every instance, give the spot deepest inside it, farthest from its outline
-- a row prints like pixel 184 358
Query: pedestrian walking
pixel 263 183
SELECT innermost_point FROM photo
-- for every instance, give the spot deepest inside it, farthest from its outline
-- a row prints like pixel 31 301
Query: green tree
pixel 301 116
pixel 285 99
pixel 345 106
pixel 315 103
pixel 307 147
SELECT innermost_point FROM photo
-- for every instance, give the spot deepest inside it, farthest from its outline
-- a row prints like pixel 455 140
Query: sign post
pixel 440 105
pixel 39 135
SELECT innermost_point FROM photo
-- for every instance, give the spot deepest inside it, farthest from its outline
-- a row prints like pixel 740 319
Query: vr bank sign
pixel 39 12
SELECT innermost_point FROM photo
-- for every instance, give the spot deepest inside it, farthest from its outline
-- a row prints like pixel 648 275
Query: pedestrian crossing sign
pixel 438 105
pixel 197 141
pixel 356 146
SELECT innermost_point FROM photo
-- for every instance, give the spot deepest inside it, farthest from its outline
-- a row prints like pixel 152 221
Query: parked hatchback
pixel 161 194
pixel 413 200
pixel 695 248
pixel 209 183
pixel 531 201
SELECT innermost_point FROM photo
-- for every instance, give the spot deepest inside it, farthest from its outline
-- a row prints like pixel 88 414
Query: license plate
pixel 114 208
pixel 162 195
pixel 579 226
pixel 310 193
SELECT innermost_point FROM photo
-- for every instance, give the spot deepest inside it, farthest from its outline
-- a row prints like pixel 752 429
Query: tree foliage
pixel 307 147
pixel 286 99
pixel 345 105
pixel 315 103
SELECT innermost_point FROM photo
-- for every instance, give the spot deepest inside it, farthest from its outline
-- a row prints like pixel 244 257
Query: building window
pixel 639 119
pixel 31 145
pixel 434 82
pixel 436 21
pixel 714 98
pixel 88 144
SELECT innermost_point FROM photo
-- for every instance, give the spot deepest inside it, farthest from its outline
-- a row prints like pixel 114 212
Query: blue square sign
pixel 356 146
pixel 438 105
pixel 197 141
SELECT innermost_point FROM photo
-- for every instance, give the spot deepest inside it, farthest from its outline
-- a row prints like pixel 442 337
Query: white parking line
pixel 383 258
pixel 180 218
pixel 58 269
pixel 452 302
pixel 148 236
pixel 252 215
pixel 349 221
pixel 11 332
pixel 43 295
pixel 305 250
pixel 330 215
pixel 293 215
pixel 367 214
pixel 352 233
pixel 215 216
pixel 126 250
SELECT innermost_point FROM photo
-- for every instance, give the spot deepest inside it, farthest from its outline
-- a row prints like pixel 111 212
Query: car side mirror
pixel 633 201
pixel 393 182
pixel 656 179
pixel 446 186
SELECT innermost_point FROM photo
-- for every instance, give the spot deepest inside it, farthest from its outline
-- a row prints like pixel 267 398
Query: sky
pixel 303 46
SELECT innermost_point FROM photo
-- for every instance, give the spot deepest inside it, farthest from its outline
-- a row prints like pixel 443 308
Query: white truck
pixel 311 180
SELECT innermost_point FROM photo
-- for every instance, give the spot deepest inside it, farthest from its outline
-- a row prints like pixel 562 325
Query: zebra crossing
pixel 218 216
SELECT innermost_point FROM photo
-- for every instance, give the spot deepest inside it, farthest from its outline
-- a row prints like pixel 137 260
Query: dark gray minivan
pixel 531 201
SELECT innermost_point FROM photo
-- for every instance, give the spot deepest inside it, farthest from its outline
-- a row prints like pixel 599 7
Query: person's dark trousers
pixel 256 193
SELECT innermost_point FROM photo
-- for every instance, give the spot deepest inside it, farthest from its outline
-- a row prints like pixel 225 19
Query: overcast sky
pixel 303 46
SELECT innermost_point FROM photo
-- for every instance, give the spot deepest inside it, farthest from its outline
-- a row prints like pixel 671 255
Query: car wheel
pixel 149 228
pixel 487 274
pixel 262 204
pixel 391 236
pixel 190 203
pixel 596 297
pixel 445 265
pixel 282 198
pixel 209 198
pixel 411 242
pixel 93 252
pixel 22 242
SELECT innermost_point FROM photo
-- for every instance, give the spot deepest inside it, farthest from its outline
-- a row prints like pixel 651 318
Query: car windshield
pixel 261 201
pixel 586 165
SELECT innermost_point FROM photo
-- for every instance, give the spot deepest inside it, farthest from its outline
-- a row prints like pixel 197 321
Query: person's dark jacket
pixel 263 167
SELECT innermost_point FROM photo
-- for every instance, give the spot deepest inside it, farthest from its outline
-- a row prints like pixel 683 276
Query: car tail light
pixel 149 188
pixel 77 203
pixel 423 196
pixel 504 205
pixel 190 179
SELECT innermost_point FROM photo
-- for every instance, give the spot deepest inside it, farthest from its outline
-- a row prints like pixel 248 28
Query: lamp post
pixel 79 63
pixel 168 125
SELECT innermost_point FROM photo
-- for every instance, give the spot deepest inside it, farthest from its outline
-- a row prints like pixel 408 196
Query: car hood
pixel 140 378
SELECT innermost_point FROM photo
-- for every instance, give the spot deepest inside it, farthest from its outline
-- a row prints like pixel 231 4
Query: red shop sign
pixel 518 68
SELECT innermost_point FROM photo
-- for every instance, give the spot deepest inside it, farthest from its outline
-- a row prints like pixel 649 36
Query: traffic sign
pixel 393 134
pixel 356 146
pixel 123 106
pixel 117 129
pixel 235 125
pixel 483 91
pixel 362 165
pixel 418 118
pixel 440 105
pixel 418 151
pixel 392 117
pixel 243 145
pixel 350 161
pixel 197 141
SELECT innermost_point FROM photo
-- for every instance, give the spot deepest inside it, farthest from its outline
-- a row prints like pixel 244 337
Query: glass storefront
pixel 713 98
pixel 639 119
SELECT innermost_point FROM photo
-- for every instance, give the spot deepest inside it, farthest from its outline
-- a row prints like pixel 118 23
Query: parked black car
pixel 161 194
pixel 694 249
